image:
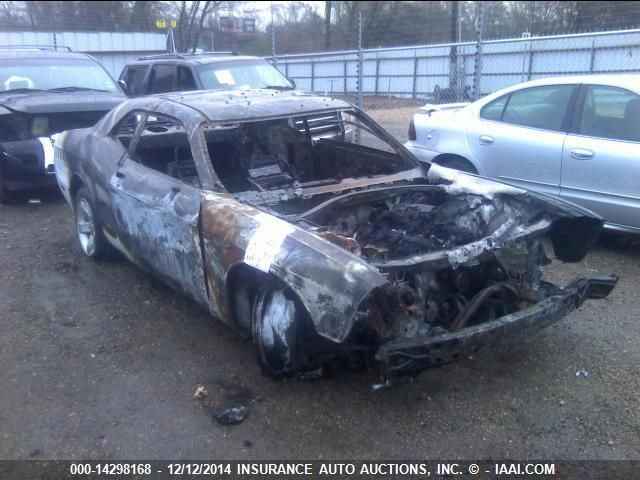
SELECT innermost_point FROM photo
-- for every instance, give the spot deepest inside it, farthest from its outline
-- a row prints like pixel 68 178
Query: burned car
pixel 324 249
pixel 43 91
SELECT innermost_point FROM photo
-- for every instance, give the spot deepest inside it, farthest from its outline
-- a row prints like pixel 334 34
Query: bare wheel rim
pixel 86 227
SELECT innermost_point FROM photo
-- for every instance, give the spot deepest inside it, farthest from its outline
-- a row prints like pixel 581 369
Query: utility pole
pixel 327 25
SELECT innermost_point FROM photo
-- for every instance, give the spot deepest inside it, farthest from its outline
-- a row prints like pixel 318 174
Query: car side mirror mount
pixel 123 86
pixel 292 82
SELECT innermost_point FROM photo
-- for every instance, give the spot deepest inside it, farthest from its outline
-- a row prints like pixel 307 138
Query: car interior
pixel 283 153
pixel 616 119
pixel 164 146
pixel 538 107
pixel 265 155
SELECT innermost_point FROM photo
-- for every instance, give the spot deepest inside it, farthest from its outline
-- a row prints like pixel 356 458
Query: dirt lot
pixel 395 120
pixel 98 361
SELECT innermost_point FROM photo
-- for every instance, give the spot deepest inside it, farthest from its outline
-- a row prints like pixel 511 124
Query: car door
pixel 134 76
pixel 518 137
pixel 601 155
pixel 185 80
pixel 156 198
pixel 162 78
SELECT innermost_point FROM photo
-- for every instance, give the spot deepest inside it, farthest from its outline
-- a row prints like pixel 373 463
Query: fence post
pixel 360 67
pixel 478 63
pixel 593 55
pixel 453 52
pixel 313 74
pixel 415 75
pixel 345 71
pixel 377 73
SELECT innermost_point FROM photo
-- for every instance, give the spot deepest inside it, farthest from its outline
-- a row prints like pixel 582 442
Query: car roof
pixel 195 59
pixel 35 52
pixel 614 79
pixel 243 105
pixel 630 81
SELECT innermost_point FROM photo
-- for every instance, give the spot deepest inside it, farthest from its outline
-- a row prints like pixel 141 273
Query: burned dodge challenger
pixel 324 248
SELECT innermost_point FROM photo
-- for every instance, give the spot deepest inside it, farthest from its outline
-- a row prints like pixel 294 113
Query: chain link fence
pixel 388 57
pixel 392 83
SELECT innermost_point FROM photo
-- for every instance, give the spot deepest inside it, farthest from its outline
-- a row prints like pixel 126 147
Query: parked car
pixel 226 71
pixel 169 72
pixel 43 91
pixel 577 138
pixel 322 250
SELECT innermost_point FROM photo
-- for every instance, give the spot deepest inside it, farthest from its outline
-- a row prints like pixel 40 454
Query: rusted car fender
pixel 329 281
pixel 70 148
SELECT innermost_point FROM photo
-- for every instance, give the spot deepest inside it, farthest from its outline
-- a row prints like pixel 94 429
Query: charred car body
pixel 320 249
pixel 44 92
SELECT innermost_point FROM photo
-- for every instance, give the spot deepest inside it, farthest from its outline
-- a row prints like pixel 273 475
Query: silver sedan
pixel 574 137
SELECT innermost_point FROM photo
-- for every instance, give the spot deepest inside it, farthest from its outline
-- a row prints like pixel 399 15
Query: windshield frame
pixel 226 65
pixel 415 168
pixel 49 62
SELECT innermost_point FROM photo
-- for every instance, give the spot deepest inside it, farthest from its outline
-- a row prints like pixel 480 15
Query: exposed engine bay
pixel 410 222
pixel 406 224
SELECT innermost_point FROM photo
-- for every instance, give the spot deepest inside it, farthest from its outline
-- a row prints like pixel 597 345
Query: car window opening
pixel 164 146
pixel 298 152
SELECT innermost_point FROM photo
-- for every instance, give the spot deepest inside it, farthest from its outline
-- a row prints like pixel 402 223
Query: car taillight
pixel 412 130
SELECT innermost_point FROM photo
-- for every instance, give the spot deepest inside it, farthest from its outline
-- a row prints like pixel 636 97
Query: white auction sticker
pixel 224 77
pixel 266 241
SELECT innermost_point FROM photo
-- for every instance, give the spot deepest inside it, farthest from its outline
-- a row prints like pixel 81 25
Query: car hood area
pixel 53 102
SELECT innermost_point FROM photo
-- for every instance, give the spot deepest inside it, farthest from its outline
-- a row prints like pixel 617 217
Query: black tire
pixel 276 320
pixel 90 235
pixel 458 163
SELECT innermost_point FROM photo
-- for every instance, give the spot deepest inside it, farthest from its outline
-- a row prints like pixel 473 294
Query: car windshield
pixel 241 75
pixel 54 73
pixel 301 151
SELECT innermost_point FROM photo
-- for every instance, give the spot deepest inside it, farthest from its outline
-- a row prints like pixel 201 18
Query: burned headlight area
pixel 435 302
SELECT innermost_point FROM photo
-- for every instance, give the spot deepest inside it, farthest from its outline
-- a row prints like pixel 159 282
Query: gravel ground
pixel 101 362
pixel 395 120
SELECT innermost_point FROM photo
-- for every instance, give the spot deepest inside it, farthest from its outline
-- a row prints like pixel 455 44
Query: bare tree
pixel 12 13
pixel 190 22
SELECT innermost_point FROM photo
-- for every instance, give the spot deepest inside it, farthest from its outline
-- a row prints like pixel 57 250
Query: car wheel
pixel 92 239
pixel 459 163
pixel 275 323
